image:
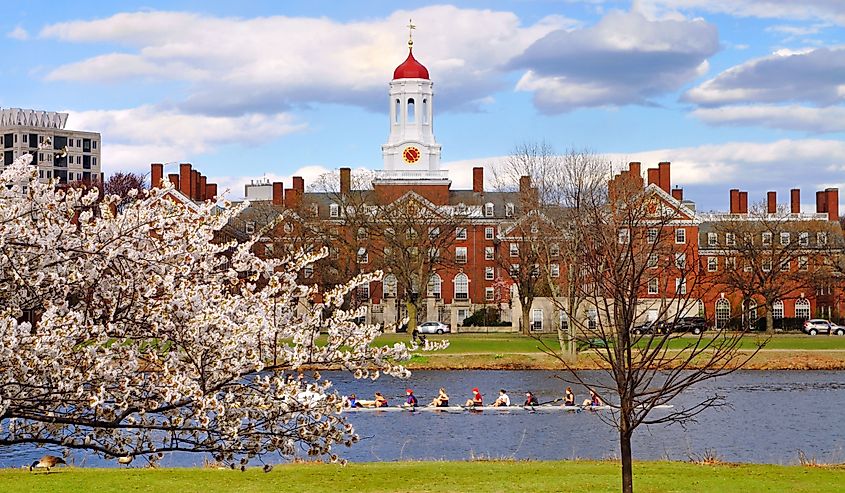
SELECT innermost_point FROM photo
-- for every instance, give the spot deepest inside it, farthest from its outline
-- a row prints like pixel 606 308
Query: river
pixel 772 416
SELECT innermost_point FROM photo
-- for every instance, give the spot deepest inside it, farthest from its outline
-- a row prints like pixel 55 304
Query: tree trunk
pixel 627 466
pixel 526 321
pixel 770 319
pixel 412 316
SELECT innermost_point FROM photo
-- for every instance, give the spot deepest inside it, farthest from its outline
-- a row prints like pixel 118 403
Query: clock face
pixel 411 155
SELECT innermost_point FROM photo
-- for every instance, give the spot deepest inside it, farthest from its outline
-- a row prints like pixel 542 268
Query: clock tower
pixel 411 153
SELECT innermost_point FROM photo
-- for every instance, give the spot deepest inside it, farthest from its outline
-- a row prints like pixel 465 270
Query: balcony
pixel 401 174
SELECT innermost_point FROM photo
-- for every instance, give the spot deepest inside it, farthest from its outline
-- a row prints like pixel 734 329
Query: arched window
pixel 397 110
pixel 389 286
pixel 434 286
pixel 411 111
pixel 802 308
pixel 425 111
pixel 777 309
pixel 723 313
pixel 461 287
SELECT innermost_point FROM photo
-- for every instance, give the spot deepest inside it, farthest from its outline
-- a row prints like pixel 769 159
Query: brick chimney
pixel 653 176
pixel 174 180
pixel 795 201
pixel 635 169
pixel 665 180
pixel 734 201
pixel 201 189
pixel 298 185
pixel 211 191
pixel 156 174
pixel 195 184
pixel 292 197
pixel 832 203
pixel 478 179
pixel 278 193
pixel 771 202
pixel 185 179
pixel 524 184
pixel 743 202
pixel 678 194
pixel 821 201
pixel 345 180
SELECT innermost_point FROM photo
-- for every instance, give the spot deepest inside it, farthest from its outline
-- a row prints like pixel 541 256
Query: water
pixel 773 416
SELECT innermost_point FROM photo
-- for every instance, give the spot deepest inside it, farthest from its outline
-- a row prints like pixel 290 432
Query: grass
pixel 479 476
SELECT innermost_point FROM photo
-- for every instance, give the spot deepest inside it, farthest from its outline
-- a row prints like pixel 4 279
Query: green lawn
pixel 512 343
pixel 439 477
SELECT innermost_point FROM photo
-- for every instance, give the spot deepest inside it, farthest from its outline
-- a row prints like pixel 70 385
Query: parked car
pixel 652 327
pixel 434 328
pixel 821 326
pixel 696 325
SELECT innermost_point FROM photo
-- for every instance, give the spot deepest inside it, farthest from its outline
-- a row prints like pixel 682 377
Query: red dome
pixel 410 69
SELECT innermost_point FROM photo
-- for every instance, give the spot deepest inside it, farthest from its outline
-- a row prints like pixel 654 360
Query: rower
pixel 380 400
pixel 442 399
pixel 530 400
pixel 594 400
pixel 503 400
pixel 352 401
pixel 476 401
pixel 568 397
pixel 411 401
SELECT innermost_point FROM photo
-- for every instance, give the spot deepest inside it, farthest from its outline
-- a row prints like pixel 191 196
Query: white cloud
pixel 267 63
pixel 18 33
pixel 792 117
pixel 233 186
pixel 826 10
pixel 812 75
pixel 135 137
pixel 624 59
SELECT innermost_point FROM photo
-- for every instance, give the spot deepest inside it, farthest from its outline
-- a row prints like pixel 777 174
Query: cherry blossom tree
pixel 129 331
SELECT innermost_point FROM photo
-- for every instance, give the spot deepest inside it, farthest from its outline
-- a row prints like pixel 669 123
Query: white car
pixel 820 326
pixel 434 328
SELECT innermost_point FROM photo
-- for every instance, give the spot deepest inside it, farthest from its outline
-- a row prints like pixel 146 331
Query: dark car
pixel 696 325
pixel 648 328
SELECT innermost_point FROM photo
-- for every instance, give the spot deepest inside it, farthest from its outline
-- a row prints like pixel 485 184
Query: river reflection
pixel 773 416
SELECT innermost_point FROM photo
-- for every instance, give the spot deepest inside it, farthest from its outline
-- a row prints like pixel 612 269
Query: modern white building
pixel 68 155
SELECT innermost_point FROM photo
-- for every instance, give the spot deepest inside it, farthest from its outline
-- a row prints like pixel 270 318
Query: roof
pixel 410 68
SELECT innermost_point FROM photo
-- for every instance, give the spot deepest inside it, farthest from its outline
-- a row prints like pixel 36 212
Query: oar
pixel 532 408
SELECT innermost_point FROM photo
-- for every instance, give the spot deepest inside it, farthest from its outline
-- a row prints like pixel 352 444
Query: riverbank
pixel 515 352
pixel 439 477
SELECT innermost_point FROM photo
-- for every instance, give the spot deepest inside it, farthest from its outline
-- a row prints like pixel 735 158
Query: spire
pixel 410 68
pixel 411 26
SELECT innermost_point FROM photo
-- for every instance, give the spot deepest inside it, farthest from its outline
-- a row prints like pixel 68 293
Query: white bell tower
pixel 411 153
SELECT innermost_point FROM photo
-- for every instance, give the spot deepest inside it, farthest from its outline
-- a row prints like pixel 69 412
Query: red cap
pixel 475 389
pixel 409 391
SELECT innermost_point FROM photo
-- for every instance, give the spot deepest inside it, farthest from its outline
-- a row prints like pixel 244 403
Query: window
pixel 723 313
pixel 564 322
pixel 250 227
pixel 78 142
pixel 364 291
pixel 514 249
pixel 411 112
pixel 784 266
pixel 652 260
pixel 652 286
pixel 362 234
pixel 397 110
pixel 488 233
pixel 489 209
pixel 308 270
pixel 767 265
pixel 363 256
pixel 777 309
pixel 411 234
pixel 802 308
pixel 460 233
pixel 388 251
pixel 681 236
pixel 784 238
pixel 315 210
pixel 652 235
pixel 712 264
pixel 804 238
pixel 24 137
pixel 554 270
pixel 514 269
pixel 461 255
pixel 488 253
pixel 461 287
pixel 554 250
pixel 712 239
pixel 624 236
pixel 535 228
pixel 434 286
pixel 433 232
pixel 489 273
pixel 334 210
pixel 388 286
pixel 730 239
pixel 509 210
pixel 803 264
pixel 680 285
pixel 767 238
pixel 93 144
pixel 425 111
pixel 821 238
pixel 537 319
pixel 489 294
pixel 681 260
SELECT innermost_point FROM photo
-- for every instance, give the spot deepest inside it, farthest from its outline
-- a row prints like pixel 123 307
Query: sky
pixel 745 94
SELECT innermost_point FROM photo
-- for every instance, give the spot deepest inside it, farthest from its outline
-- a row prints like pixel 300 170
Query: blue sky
pixel 736 93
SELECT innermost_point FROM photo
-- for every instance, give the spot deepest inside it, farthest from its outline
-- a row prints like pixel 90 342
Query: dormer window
pixel 334 210
pixel 489 209
pixel 508 210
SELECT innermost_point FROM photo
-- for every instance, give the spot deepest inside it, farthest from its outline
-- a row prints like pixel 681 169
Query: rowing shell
pixel 460 409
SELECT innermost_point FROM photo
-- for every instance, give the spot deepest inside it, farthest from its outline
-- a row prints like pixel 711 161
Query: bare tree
pixel 121 183
pixel 637 262
pixel 771 255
